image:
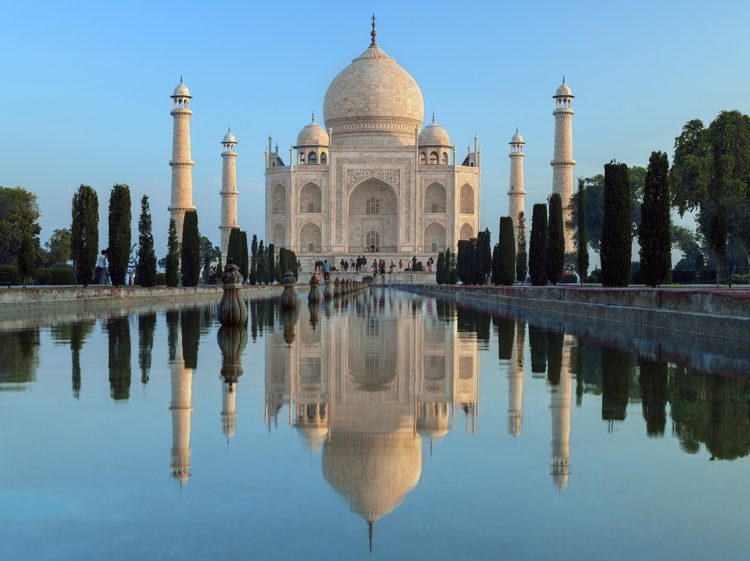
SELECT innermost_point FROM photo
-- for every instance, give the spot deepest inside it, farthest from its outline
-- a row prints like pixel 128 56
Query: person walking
pixel 326 270
pixel 400 265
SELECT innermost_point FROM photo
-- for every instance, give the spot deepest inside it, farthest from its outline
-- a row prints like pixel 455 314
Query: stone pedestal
pixel 328 290
pixel 289 295
pixel 232 308
pixel 314 295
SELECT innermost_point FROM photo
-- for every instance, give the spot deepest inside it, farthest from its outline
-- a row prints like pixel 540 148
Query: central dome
pixel 374 95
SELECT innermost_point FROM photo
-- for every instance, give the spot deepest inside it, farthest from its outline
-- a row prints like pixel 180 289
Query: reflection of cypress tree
pixel 78 333
pixel 538 349
pixel 20 356
pixel 711 410
pixel 469 321
pixel 146 328
pixel 653 382
pixel 555 341
pixel 579 361
pixel 118 330
pixel 173 323
pixel 505 328
pixel 253 309
pixel 190 323
pixel 615 383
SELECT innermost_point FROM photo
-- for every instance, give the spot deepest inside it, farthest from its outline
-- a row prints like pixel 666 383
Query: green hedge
pixel 57 275
pixel 161 279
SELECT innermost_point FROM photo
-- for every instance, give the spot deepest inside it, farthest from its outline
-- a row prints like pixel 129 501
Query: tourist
pixel 413 262
pixel 101 273
pixel 429 264
pixel 400 265
pixel 130 274
pixel 326 270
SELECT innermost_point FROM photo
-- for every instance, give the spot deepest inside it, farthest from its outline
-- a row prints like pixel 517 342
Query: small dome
pixel 434 135
pixel 313 436
pixel 229 138
pixel 181 91
pixel 564 90
pixel 517 139
pixel 312 135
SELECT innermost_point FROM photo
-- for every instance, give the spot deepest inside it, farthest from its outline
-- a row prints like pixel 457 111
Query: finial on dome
pixel 313 117
pixel 229 129
pixel 369 534
pixel 180 78
pixel 373 33
pixel 516 130
pixel 433 116
pixel 563 78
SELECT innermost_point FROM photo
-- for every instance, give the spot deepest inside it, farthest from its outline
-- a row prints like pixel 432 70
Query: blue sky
pixel 84 95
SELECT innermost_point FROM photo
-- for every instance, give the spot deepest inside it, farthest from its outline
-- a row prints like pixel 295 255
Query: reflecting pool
pixel 383 425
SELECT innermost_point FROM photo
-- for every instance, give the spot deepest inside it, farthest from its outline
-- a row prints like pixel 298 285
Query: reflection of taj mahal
pixel 371 182
pixel 368 387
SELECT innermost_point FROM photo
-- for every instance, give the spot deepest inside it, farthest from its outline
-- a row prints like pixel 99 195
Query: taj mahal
pixel 372 180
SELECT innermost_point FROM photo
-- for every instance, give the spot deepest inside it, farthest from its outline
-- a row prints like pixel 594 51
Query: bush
pixel 161 279
pixel 57 275
pixel 741 279
pixel 12 270
pixel 567 278
pixel 595 276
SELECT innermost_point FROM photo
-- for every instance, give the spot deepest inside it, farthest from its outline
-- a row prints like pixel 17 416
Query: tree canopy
pixel 19 215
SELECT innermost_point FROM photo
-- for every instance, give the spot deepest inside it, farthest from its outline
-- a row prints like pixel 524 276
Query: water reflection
pixel 368 386
pixel 375 383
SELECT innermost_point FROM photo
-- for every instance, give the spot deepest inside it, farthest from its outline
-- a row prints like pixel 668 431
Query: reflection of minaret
pixel 182 408
pixel 560 406
pixel 515 382
pixel 229 409
pixel 232 341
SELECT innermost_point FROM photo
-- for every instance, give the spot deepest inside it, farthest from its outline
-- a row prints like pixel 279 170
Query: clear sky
pixel 85 86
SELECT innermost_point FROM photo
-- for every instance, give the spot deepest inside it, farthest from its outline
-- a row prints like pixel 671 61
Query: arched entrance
pixel 373 218
pixel 467 232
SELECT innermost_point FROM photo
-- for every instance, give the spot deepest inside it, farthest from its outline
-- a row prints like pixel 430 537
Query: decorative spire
pixel 313 117
pixel 369 531
pixel 563 78
pixel 373 33
pixel 180 78
pixel 516 130
pixel 229 129
pixel 433 116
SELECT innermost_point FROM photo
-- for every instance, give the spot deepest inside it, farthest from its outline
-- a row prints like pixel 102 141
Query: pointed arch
pixel 434 237
pixel 467 232
pixel 278 199
pixel 434 198
pixel 310 238
pixel 310 198
pixel 466 199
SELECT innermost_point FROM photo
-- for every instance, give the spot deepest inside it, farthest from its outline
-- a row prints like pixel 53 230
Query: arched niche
pixel 373 207
pixel 466 233
pixel 434 198
pixel 310 198
pixel 434 237
pixel 279 236
pixel 278 199
pixel 310 238
pixel 466 199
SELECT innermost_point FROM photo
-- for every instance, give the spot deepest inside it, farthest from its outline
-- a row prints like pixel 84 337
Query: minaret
pixel 517 192
pixel 228 190
pixel 515 383
pixel 182 408
pixel 563 164
pixel 560 406
pixel 182 164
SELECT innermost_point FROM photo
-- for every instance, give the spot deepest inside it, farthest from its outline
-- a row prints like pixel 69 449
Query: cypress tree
pixel 555 240
pixel 654 232
pixel 26 258
pixel 84 233
pixel 522 259
pixel 243 256
pixel 617 226
pixel 261 263
pixel 450 267
pixel 507 270
pixel 483 257
pixel 271 263
pixel 190 250
pixel 538 246
pixel 440 269
pixel 234 246
pixel 496 264
pixel 146 270
pixel 119 233
pixel 464 261
pixel 254 260
pixel 582 244
pixel 173 256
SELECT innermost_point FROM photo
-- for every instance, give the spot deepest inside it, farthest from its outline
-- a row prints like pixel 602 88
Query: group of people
pixel 101 272
pixel 360 264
